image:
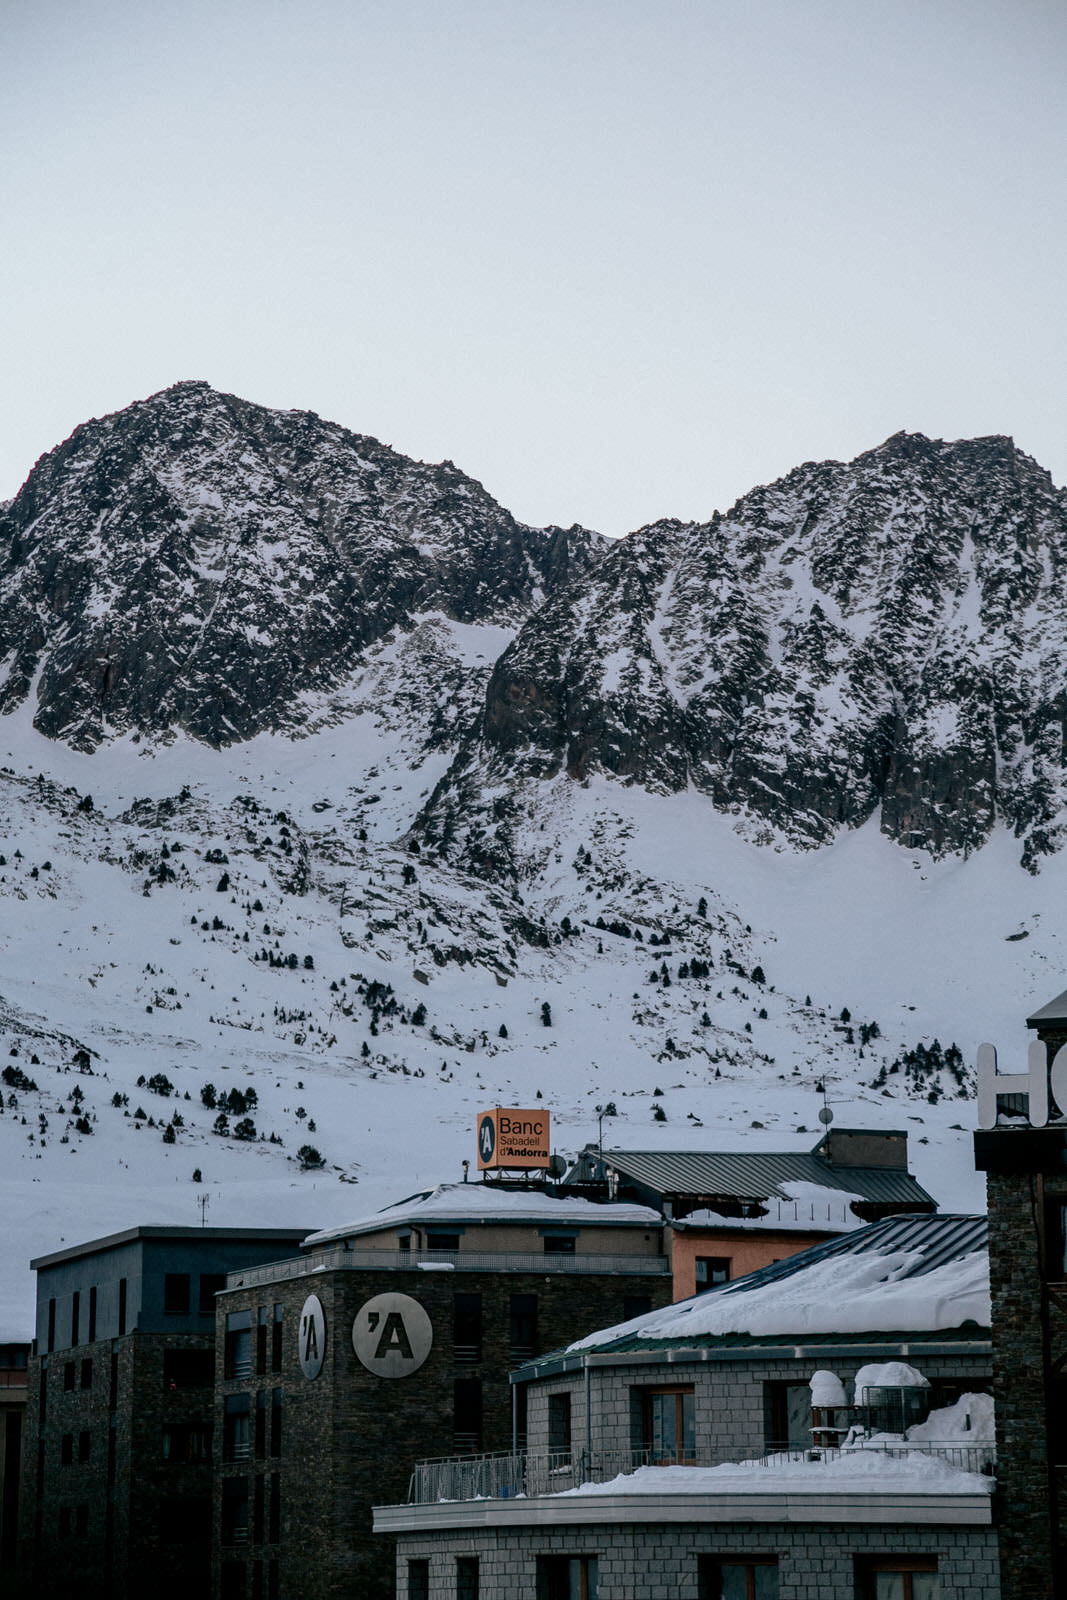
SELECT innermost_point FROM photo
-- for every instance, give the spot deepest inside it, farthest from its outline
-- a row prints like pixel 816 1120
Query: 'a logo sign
pixel 487 1140
pixel 311 1334
pixel 392 1335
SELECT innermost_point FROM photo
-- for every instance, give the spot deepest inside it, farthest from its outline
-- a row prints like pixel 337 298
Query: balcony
pixel 506 1475
pixel 338 1259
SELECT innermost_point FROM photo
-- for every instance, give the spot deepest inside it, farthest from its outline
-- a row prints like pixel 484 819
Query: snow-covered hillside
pixel 382 910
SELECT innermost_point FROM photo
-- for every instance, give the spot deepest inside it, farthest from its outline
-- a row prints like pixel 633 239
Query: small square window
pixel 442 1241
pixel 711 1271
pixel 560 1244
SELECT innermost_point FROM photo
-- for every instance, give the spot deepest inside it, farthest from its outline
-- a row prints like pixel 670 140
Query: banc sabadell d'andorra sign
pixel 1040 1077
pixel 392 1334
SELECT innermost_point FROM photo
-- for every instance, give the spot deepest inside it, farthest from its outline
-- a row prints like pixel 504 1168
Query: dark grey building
pixel 117 1453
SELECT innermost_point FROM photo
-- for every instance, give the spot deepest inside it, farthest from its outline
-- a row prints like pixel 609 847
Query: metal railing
pixel 503 1475
pixel 337 1258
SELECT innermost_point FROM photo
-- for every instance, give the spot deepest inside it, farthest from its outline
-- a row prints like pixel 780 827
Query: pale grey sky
pixel 617 260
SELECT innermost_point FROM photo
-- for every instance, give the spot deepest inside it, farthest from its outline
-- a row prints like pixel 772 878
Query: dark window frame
pixel 554 1576
pixel 683 1425
pixel 906 1566
pixel 710 1570
pixel 177 1294
pixel 716 1271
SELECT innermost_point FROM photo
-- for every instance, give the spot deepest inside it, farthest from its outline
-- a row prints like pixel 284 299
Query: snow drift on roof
pixel 867 1471
pixel 472 1202
pixel 844 1293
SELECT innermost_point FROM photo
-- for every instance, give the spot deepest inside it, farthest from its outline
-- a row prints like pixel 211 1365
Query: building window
pixel 466 1578
pixel 566 1578
pixel 261 1424
pixel 232 1580
pixel 467 1415
pixel 211 1284
pixel 235 1511
pixel 113 1382
pixel 64 1522
pixel 442 1241
pixel 188 1369
pixel 522 1327
pixel 786 1416
pixel 261 1341
pixel 897 1578
pixel 184 1519
pixel 122 1306
pixel 75 1317
pixel 635 1305
pixel 257 1580
pixel 185 1442
pixel 69 1370
pixel 92 1314
pixel 520 1416
pixel 257 1511
pixel 81 1521
pixel 87 1373
pixel 419 1580
pixel 66 1450
pixel 711 1271
pixel 276 1422
pixel 51 1326
pixel 84 1445
pixel 274 1524
pixel 238 1352
pixel 466 1328
pixel 236 1428
pixel 276 1341
pixel 273 1587
pixel 176 1294
pixel 560 1244
pixel 663 1421
pixel 738 1578
pixel 559 1426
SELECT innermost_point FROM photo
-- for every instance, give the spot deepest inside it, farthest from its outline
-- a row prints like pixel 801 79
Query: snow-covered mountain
pixel 322 778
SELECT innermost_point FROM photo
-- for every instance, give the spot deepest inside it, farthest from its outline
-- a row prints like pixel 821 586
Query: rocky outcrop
pixel 887 635
pixel 201 564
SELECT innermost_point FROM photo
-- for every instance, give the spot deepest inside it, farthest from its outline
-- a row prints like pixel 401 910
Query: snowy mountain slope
pixel 882 637
pixel 199 563
pixel 345 858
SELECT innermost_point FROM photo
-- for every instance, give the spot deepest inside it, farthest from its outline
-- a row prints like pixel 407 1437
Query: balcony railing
pixel 337 1258
pixel 506 1474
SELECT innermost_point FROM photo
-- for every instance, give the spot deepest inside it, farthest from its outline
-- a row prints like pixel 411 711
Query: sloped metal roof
pixel 1054 1011
pixel 755 1175
pixel 935 1241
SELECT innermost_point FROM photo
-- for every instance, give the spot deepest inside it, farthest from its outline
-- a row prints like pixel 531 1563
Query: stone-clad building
pixel 14 1362
pixel 400 1335
pixel 1022 1148
pixel 117 1455
pixel 692 1455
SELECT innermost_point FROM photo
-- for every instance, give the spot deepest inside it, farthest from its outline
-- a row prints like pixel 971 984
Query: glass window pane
pixel 924 1586
pixel 889 1586
pixel 766 1583
pixel 734 1583
pixel 688 1426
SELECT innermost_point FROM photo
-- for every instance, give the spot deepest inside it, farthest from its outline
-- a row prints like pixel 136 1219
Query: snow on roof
pixel 832 1289
pixel 484 1202
pixel 875 1471
pixel 808 1208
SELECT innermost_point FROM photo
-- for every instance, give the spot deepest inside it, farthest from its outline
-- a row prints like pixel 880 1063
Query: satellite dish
pixel 826 1116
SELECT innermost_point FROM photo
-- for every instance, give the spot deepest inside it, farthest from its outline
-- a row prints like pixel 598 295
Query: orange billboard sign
pixel 513 1139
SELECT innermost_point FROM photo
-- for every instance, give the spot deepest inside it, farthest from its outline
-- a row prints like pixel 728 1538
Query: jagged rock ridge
pixel 887 635
pixel 198 563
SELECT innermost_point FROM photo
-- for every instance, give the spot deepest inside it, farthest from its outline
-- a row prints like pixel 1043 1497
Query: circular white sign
pixel 312 1337
pixel 392 1335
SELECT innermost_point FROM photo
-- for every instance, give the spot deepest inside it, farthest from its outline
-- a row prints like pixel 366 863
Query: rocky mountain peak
pixel 199 563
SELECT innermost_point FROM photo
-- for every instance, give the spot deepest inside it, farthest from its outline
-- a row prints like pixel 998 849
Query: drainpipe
pixel 588 1417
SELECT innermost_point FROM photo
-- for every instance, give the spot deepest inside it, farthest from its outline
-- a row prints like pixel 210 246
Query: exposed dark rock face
pixel 888 635
pixel 198 563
